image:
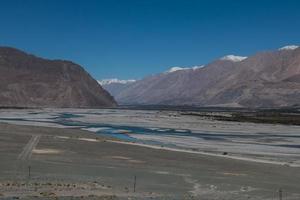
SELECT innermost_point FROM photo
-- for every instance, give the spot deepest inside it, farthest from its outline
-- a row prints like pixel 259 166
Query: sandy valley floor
pixel 67 163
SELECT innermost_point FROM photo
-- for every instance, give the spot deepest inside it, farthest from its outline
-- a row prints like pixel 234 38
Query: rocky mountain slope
pixel 29 81
pixel 266 79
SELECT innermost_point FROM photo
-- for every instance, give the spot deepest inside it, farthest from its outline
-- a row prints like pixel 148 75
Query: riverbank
pixel 265 143
pixel 68 162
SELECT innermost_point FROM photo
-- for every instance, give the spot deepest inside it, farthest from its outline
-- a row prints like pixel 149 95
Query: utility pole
pixel 134 183
pixel 280 194
pixel 29 171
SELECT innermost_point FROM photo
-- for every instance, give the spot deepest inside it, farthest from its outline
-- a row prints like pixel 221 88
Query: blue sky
pixel 134 38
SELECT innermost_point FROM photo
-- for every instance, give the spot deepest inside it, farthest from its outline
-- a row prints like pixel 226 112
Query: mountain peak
pixel 40 82
pixel 289 47
pixel 266 79
pixel 115 80
pixel 233 58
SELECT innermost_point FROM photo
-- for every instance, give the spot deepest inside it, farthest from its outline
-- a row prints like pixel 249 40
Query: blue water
pixel 109 130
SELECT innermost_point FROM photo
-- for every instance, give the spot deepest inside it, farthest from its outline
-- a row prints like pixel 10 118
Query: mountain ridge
pixel 31 81
pixel 265 79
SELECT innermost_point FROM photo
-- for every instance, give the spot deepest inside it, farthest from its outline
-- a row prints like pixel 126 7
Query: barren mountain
pixel 267 79
pixel 29 81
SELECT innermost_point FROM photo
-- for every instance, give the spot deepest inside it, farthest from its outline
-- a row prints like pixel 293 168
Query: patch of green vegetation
pixel 266 116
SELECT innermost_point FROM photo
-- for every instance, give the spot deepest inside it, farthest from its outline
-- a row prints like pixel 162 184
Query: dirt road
pixel 27 151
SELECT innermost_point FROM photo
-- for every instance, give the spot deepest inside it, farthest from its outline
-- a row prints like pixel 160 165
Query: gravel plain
pixel 66 162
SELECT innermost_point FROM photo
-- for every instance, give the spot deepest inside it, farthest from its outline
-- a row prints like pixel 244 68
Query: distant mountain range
pixel 115 86
pixel 30 81
pixel 266 79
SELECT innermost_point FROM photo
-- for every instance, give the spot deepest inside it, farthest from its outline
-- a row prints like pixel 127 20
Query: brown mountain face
pixel 268 79
pixel 29 81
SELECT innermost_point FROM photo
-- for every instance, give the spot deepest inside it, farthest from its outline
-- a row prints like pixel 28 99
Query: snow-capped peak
pixel 114 80
pixel 233 58
pixel 174 69
pixel 197 67
pixel 289 47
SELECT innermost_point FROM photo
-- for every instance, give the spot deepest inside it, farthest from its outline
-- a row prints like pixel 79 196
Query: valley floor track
pixel 27 151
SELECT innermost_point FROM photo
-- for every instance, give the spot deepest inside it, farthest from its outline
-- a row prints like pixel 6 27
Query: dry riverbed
pixel 48 163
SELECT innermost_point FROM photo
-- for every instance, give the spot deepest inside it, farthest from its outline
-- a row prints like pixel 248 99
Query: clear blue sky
pixel 134 38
